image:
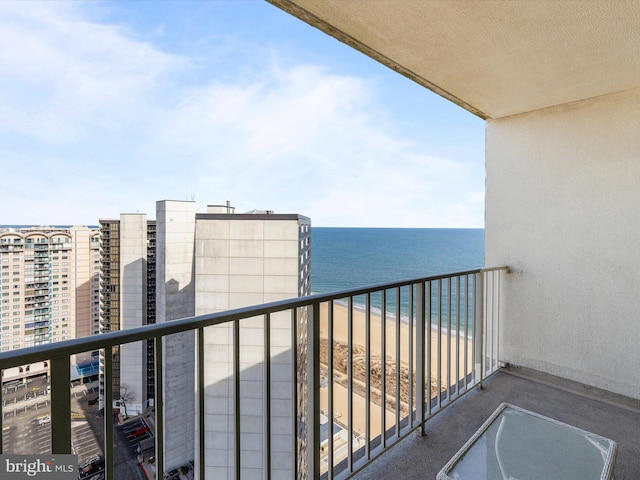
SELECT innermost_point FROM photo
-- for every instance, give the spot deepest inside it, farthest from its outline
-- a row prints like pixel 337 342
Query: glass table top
pixel 515 444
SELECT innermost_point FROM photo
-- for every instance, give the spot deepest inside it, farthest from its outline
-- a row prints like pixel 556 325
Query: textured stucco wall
pixel 563 210
pixel 241 263
pixel 133 312
pixel 175 233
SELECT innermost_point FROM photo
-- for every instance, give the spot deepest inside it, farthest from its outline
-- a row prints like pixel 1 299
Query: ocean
pixel 343 258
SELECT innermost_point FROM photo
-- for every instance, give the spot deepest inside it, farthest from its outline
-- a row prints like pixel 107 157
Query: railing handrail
pixel 66 348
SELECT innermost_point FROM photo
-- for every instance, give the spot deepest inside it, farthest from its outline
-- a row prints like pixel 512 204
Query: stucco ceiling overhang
pixel 495 58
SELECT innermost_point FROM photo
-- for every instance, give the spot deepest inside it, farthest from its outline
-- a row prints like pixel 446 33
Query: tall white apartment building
pixel 205 263
pixel 127 291
pixel 49 285
pixel 216 261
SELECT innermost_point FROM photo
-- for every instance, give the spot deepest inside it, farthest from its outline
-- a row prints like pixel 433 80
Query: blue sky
pixel 106 107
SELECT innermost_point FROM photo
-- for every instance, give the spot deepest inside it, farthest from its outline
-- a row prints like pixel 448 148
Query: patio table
pixel 516 444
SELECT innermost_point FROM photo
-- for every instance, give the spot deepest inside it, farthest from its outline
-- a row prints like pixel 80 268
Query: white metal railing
pixel 379 361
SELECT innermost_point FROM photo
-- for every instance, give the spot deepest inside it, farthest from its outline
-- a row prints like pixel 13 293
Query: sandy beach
pixel 340 352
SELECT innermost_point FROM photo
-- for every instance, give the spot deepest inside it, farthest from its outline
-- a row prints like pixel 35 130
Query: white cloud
pixel 102 115
pixel 64 76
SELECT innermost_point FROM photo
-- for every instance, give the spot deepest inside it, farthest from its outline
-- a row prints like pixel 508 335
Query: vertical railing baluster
pixel 330 387
pixel 159 402
pixel 458 290
pixel 237 461
pixel 420 354
pixel 294 388
pixel 494 323
pixel 411 373
pixel 201 405
pixel 108 413
pixel 350 382
pixel 313 377
pixel 60 406
pixel 498 294
pixel 398 361
pixel 267 396
pixel 367 378
pixel 488 330
pixel 478 322
pixel 488 338
pixel 439 348
pixel 429 350
pixel 449 327
pixel 383 371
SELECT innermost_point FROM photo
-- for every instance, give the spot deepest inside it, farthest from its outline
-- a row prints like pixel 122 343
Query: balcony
pixel 443 360
pixel 458 345
pixel 609 415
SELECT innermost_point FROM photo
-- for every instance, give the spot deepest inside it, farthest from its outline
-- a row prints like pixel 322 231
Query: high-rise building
pixel 192 263
pixel 216 261
pixel 49 285
pixel 127 291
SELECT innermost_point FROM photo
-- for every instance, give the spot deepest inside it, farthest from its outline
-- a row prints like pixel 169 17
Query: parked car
pixel 138 432
pixel 91 467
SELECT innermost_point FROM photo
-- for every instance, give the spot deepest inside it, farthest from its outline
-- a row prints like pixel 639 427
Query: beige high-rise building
pixel 204 263
pixel 49 279
pixel 212 262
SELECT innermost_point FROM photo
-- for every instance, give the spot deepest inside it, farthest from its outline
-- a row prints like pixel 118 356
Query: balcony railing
pixel 368 367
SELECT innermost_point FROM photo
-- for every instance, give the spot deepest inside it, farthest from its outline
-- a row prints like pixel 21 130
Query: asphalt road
pixel 26 429
pixel 125 462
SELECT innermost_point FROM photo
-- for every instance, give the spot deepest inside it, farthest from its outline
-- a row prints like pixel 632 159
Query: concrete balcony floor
pixel 597 411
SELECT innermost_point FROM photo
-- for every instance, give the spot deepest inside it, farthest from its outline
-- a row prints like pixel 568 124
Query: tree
pixel 126 395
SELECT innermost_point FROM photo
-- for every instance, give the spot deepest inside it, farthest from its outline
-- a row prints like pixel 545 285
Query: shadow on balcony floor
pixel 608 415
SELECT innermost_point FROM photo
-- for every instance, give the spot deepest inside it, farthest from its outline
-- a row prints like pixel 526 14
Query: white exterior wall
pixel 175 233
pixel 86 286
pixel 241 263
pixel 562 210
pixel 133 312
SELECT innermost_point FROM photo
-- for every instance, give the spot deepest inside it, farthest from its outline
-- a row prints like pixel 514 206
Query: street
pixel 27 426
pixel 27 420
